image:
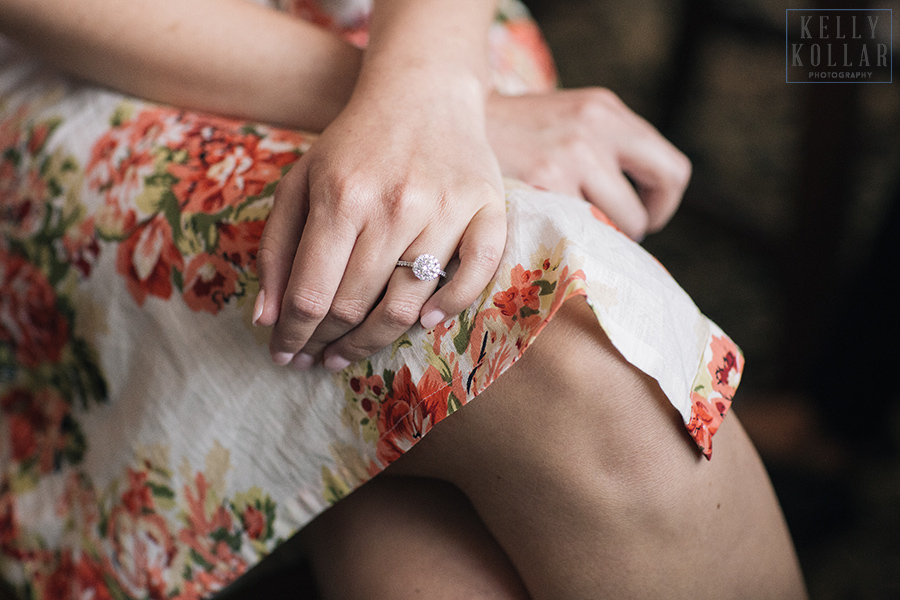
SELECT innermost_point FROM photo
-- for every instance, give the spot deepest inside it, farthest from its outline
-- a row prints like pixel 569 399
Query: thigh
pixel 582 470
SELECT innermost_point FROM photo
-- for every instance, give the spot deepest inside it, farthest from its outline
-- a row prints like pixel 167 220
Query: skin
pixel 579 468
pixel 228 57
pixel 583 143
pixel 331 290
pixel 321 283
pixel 220 56
pixel 427 534
pixel 627 501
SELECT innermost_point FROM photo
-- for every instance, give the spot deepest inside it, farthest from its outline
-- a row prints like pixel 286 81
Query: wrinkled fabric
pixel 148 447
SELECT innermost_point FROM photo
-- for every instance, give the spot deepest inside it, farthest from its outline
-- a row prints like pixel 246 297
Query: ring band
pixel 426 267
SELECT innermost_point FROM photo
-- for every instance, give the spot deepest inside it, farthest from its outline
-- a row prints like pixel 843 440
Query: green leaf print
pixel 160 491
pixel 461 340
pixel 547 287
pixel 453 404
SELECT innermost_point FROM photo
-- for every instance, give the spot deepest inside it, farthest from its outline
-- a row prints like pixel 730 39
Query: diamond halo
pixel 426 267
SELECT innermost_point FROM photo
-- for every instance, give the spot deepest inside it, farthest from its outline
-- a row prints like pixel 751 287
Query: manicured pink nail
pixel 281 358
pixel 258 306
pixel 336 363
pixel 432 318
pixel 303 362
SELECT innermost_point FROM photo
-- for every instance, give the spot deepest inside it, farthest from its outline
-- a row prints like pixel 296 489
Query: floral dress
pixel 148 447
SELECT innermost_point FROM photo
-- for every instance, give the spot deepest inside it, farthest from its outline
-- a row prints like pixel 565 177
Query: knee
pixel 572 410
pixel 590 408
pixel 573 385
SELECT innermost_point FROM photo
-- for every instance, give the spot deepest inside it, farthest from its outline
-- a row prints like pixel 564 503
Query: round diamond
pixel 426 267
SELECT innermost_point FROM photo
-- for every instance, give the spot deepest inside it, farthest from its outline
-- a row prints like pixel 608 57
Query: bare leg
pixel 399 537
pixel 582 471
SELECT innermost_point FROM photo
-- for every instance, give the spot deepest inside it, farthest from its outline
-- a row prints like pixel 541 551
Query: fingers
pixel 279 243
pixel 609 190
pixel 660 173
pixel 369 268
pixel 318 267
pixel 658 170
pixel 404 303
pixel 588 143
pixel 479 256
pixel 331 283
pixel 394 315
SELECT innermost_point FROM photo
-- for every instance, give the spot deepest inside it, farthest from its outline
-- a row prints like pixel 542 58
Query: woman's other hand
pixel 588 143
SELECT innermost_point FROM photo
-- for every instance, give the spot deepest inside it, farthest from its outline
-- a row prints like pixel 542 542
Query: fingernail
pixel 281 358
pixel 303 361
pixel 336 363
pixel 258 306
pixel 432 318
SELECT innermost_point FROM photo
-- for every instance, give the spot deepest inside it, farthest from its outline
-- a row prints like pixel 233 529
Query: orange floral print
pixel 353 27
pixel 143 547
pixel 22 208
pixel 726 367
pixel 207 535
pixel 198 173
pixel 58 584
pixel 527 36
pixel 150 201
pixel 402 421
pixel 35 422
pixel 9 525
pixel 137 497
pixel 224 165
pixel 120 161
pixel 601 216
pixel 81 247
pixel 520 300
pixel 30 321
pixel 146 260
pixel 90 581
pixel 254 522
pixel 208 283
pixel 239 242
pixel 709 404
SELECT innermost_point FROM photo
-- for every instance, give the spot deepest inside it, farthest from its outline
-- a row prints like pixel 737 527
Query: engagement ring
pixel 425 267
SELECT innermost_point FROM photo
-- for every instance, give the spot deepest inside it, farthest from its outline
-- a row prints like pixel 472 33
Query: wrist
pixel 452 60
pixel 437 46
pixel 421 82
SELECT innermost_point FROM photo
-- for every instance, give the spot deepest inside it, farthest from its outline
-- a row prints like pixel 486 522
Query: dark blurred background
pixel 788 238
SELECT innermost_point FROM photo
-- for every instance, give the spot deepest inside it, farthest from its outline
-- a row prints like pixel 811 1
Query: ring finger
pixel 394 314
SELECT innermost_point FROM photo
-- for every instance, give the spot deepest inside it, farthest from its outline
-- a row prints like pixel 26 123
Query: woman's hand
pixel 406 169
pixel 587 143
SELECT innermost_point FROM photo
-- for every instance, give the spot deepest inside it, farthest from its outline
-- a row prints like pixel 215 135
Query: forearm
pixel 224 56
pixel 431 44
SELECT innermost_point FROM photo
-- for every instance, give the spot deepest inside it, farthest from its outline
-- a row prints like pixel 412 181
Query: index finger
pixel 319 264
pixel 279 242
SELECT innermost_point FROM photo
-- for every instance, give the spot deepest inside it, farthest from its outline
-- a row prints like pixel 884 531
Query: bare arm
pixel 345 214
pixel 420 95
pixel 440 42
pixel 230 57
